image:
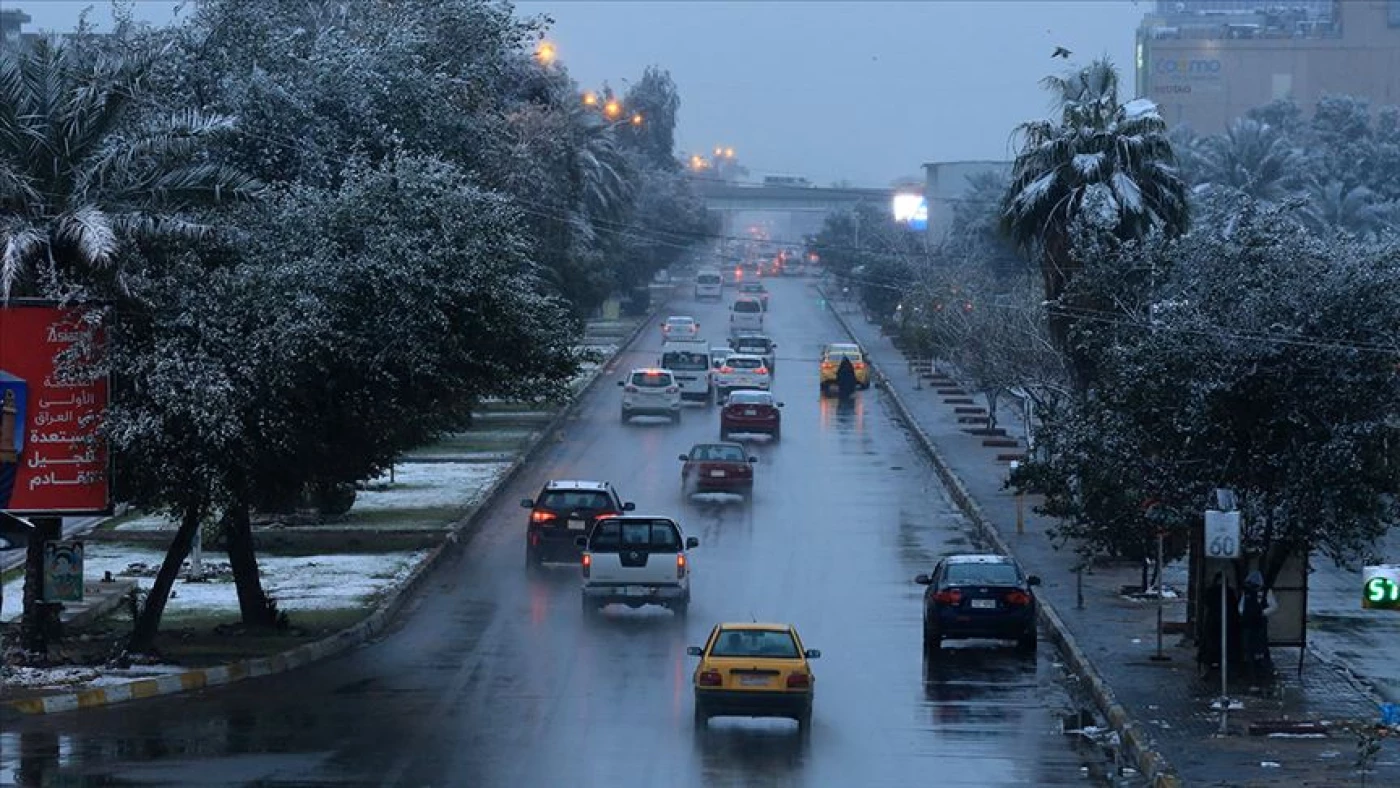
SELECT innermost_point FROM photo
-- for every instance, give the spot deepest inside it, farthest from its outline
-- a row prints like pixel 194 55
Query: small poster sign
pixel 63 571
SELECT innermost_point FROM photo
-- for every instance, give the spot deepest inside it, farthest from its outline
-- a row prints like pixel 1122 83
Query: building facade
pixel 1207 62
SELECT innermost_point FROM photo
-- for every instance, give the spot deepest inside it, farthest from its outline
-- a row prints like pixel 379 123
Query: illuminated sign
pixel 1187 67
pixel 1380 589
pixel 911 210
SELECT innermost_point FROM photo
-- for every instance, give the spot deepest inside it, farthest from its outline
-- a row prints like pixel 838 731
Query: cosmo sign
pixel 1188 73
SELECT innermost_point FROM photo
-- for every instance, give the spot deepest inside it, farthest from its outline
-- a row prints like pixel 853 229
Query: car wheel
pixel 932 641
pixel 681 609
pixel 804 722
pixel 676 417
pixel 723 434
pixel 702 717
pixel 624 416
pixel 590 609
pixel 777 434
pixel 1027 642
pixel 533 560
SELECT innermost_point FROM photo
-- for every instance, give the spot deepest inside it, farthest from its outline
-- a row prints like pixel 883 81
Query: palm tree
pixel 1333 207
pixel 1251 157
pixel 80 172
pixel 1106 162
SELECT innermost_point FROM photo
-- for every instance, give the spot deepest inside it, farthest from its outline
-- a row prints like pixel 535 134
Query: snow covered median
pixel 318 582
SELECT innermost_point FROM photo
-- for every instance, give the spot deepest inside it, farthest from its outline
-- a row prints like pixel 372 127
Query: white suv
pixel 650 392
pixel 742 372
pixel 636 561
pixel 689 361
pixel 746 316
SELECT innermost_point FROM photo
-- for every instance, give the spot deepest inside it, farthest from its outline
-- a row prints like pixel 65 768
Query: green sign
pixel 1381 590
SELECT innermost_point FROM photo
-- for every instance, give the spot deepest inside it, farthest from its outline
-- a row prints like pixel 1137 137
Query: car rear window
pixel 745 363
pixel 750 398
pixel 568 500
pixel 754 643
pixel 685 360
pixel 718 454
pixel 747 306
pixel 981 575
pixel 756 348
pixel 651 380
pixel 612 536
pixel 708 279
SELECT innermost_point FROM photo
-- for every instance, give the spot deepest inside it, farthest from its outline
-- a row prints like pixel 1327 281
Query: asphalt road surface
pixel 494 679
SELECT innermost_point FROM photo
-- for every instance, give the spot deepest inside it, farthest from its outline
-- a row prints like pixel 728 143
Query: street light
pixel 590 99
pixel 545 53
pixel 637 119
pixel 728 153
pixel 612 109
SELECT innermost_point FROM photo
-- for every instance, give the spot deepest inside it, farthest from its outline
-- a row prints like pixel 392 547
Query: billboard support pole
pixel 34 622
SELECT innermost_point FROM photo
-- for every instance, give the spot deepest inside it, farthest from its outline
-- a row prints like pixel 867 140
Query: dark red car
pixel 751 411
pixel 717 467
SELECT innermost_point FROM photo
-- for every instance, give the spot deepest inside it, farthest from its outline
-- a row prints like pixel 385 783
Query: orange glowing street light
pixel 590 99
pixel 637 119
pixel 545 53
pixel 728 153
pixel 612 109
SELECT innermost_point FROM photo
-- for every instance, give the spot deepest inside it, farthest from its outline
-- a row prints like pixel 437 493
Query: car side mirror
pixel 581 541
pixel 923 580
pixel 684 458
pixel 629 506
pixel 692 541
pixel 753 459
pixel 695 651
pixel 622 383
pixel 780 404
pixel 526 503
pixel 812 653
pixel 1033 580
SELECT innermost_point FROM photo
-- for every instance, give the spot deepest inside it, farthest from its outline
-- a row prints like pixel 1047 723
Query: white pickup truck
pixel 636 561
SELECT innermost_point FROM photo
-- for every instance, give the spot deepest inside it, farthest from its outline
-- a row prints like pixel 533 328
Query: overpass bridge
pixel 730 198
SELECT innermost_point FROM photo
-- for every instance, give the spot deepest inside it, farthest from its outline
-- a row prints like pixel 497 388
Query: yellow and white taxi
pixel 831 362
pixel 754 670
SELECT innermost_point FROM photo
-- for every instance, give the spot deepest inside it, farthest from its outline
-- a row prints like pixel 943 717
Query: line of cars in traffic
pixel 746 669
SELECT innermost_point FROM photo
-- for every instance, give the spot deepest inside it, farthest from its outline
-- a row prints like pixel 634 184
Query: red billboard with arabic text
pixel 52 458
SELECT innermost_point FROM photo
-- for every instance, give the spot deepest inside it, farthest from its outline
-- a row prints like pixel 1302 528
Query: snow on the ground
pixel 417 485
pixel 429 485
pixel 319 582
pixel 84 677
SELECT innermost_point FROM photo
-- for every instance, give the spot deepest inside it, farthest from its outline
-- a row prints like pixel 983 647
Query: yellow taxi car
pixel 754 670
pixel 831 361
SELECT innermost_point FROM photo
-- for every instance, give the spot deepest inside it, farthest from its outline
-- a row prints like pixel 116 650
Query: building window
pixel 1392 13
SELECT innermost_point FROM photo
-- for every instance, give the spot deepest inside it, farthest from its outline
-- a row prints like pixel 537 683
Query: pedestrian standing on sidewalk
pixel 1257 604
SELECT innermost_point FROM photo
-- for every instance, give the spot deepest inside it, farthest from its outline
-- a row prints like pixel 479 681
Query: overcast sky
pixel 859 91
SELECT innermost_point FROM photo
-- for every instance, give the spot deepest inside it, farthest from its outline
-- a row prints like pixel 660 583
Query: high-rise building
pixel 12 21
pixel 1207 62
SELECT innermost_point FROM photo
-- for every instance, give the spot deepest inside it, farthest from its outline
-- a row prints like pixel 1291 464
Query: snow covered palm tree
pixel 1332 206
pixel 1109 163
pixel 1251 157
pixel 80 173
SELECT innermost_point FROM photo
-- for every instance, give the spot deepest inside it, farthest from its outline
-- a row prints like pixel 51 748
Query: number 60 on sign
pixel 1381 587
pixel 1222 534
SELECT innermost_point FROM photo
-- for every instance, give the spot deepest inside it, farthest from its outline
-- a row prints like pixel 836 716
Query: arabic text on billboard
pixel 52 460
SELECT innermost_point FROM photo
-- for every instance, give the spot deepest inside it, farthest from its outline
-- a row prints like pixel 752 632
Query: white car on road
pixel 742 372
pixel 636 561
pixel 689 361
pixel 745 316
pixel 651 392
pixel 680 326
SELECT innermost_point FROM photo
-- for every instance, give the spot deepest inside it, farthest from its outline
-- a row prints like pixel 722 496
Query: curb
pixel 351 636
pixel 1136 743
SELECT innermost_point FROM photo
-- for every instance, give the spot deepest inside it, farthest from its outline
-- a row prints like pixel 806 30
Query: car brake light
pixel 725 370
pixel 761 371
pixel 604 515
pixel 951 597
pixel 1018 598
pixel 799 680
pixel 541 516
pixel 587 563
pixel 859 365
pixel 710 678
pixel 680 566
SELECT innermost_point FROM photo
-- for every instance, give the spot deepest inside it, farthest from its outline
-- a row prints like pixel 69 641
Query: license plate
pixel 717 474
pixel 753 681
pixel 984 603
pixel 750 412
pixel 577 525
pixel 638 591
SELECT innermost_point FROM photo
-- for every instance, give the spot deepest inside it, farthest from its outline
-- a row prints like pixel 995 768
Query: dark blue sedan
pixel 978 596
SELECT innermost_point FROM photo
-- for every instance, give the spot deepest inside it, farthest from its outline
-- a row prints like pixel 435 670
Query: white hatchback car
pixel 742 372
pixel 651 392
pixel 680 327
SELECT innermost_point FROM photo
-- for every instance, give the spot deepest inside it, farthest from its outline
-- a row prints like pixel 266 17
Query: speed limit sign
pixel 1222 534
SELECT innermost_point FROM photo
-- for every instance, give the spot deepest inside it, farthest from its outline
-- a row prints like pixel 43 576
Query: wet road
pixel 494 679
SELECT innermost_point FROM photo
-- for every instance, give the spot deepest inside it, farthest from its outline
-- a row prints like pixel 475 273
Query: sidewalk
pixel 1116 635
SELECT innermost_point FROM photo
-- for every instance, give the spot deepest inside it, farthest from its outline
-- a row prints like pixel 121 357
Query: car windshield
pixel 685 360
pixel 717 453
pixel 568 500
pixel 653 535
pixel 745 363
pixel 747 306
pixel 651 380
pixel 755 643
pixel 750 398
pixel 977 574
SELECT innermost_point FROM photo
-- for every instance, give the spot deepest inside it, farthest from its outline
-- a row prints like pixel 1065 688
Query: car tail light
pixel 587 563
pixel 761 371
pixel 710 678
pixel 604 515
pixel 799 680
pixel 859 365
pixel 1018 598
pixel 725 370
pixel 950 597
pixel 680 566
pixel 541 516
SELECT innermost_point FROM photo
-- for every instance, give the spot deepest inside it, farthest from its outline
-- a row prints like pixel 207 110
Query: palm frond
pixel 90 232
pixel 21 245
